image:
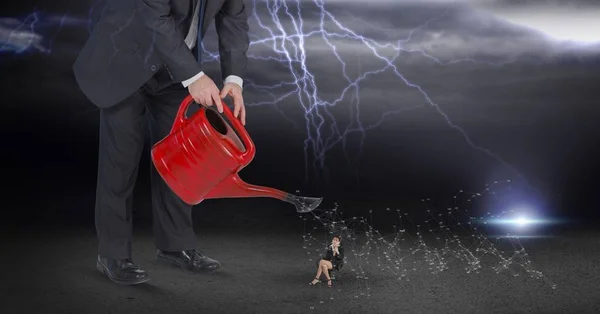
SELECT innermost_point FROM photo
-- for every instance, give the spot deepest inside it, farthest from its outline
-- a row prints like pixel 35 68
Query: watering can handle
pixel 180 117
pixel 180 120
pixel 243 134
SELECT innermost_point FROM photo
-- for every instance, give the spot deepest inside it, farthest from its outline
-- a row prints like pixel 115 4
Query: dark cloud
pixel 541 3
pixel 501 107
pixel 447 31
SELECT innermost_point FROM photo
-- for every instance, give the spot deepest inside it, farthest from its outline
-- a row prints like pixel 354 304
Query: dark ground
pixel 50 268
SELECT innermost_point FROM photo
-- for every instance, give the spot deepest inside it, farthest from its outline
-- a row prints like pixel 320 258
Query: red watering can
pixel 201 157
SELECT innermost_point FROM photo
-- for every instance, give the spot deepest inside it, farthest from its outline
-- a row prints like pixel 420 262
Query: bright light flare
pixel 520 221
pixel 565 23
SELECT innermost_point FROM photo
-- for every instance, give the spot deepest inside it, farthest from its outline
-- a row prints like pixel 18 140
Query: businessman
pixel 141 60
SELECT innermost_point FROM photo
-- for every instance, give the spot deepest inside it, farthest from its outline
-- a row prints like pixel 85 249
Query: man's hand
pixel 235 92
pixel 205 92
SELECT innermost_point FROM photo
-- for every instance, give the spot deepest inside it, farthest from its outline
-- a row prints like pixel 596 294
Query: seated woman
pixel 333 259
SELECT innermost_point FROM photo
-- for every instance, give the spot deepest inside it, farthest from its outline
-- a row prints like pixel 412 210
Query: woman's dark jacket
pixel 338 260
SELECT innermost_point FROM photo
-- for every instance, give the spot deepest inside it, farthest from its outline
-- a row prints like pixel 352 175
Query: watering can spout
pixel 304 204
pixel 234 187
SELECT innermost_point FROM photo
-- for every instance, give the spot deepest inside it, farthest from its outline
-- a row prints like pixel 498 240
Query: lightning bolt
pixel 35 32
pixel 286 35
pixel 22 37
pixel 289 45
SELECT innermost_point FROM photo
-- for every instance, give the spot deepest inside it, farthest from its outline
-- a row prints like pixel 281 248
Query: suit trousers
pixel 122 135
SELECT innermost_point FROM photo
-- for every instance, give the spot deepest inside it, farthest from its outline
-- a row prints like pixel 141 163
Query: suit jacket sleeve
pixel 328 254
pixel 341 255
pixel 231 24
pixel 168 42
pixel 339 259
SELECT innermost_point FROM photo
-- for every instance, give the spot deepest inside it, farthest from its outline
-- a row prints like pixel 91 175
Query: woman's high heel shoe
pixel 314 283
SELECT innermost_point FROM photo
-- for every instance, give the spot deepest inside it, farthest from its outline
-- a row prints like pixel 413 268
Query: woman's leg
pixel 325 267
pixel 319 271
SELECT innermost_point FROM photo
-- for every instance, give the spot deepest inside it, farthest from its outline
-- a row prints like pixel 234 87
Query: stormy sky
pixel 445 89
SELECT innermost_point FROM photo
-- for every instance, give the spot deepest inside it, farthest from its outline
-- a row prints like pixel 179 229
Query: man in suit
pixel 139 63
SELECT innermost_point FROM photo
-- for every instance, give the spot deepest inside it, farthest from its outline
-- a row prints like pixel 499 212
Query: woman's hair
pixel 338 237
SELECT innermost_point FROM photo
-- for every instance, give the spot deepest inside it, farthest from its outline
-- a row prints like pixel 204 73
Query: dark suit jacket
pixel 132 39
pixel 336 261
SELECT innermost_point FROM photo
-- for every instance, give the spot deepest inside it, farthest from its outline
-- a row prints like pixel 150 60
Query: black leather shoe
pixel 188 260
pixel 122 271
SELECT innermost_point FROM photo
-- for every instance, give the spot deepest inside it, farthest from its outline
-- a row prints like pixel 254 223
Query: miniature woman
pixel 333 260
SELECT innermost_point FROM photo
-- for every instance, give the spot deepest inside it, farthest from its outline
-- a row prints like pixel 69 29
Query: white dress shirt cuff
pixel 234 79
pixel 191 80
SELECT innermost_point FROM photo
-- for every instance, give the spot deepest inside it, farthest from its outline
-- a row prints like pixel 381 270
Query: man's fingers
pixel 207 101
pixel 240 109
pixel 243 115
pixel 238 102
pixel 225 91
pixel 217 100
pixel 237 107
pixel 197 98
